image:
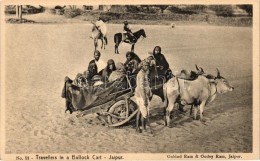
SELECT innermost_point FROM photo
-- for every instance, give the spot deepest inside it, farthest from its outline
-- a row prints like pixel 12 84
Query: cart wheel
pixel 119 109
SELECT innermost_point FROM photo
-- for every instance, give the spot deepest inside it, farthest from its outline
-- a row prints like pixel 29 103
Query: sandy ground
pixel 39 56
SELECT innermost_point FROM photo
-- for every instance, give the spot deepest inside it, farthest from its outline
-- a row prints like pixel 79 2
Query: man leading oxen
pixel 198 92
pixel 143 95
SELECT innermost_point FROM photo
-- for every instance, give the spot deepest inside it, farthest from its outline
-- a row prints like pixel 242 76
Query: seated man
pixel 105 73
pixel 96 80
pixel 81 80
pixel 91 71
pixel 132 62
pixel 162 67
pixel 118 73
pixel 161 64
pixel 97 62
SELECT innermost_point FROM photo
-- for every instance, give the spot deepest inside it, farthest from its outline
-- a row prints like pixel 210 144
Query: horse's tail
pixel 117 37
pixel 106 40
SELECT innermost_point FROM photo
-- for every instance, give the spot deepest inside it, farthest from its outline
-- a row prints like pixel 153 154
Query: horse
pixel 96 35
pixel 121 37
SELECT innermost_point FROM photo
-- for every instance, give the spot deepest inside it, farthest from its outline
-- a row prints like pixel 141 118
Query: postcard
pixel 129 80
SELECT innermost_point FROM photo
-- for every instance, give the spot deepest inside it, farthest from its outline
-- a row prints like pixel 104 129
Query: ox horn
pixel 201 69
pixel 196 67
pixel 218 73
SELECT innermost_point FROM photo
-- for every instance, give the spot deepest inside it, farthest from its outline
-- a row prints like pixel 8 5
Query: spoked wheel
pixel 119 114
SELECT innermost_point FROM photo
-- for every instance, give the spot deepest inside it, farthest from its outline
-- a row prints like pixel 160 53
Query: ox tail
pixel 166 102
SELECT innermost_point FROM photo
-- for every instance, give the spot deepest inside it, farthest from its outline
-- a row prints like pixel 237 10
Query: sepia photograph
pixel 97 80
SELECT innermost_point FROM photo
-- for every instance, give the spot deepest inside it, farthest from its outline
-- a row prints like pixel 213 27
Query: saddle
pixel 128 38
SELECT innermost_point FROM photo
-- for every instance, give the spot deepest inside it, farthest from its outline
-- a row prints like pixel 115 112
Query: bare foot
pixel 138 130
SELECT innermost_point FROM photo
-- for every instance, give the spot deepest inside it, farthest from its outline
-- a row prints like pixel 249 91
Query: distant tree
pixel 19 11
pixel 146 8
pixel 247 8
pixel 222 10
pixel 196 8
pixel 119 8
pixel 183 9
pixel 132 8
pixel 162 7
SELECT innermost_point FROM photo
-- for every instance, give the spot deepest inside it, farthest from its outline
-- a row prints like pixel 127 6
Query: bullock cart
pixel 112 100
pixel 118 108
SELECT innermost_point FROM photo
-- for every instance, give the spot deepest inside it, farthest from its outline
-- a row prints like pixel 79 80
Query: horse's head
pixel 140 33
pixel 143 33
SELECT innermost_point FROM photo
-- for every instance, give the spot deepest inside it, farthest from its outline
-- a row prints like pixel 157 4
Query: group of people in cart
pixel 99 72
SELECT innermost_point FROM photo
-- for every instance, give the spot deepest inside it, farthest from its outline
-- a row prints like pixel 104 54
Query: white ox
pixel 198 92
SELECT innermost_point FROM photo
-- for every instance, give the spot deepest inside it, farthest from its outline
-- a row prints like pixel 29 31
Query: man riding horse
pixel 99 24
pixel 121 37
pixel 99 31
pixel 129 34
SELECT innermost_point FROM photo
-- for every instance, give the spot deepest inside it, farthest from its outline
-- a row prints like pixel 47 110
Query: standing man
pixel 143 95
pixel 100 64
